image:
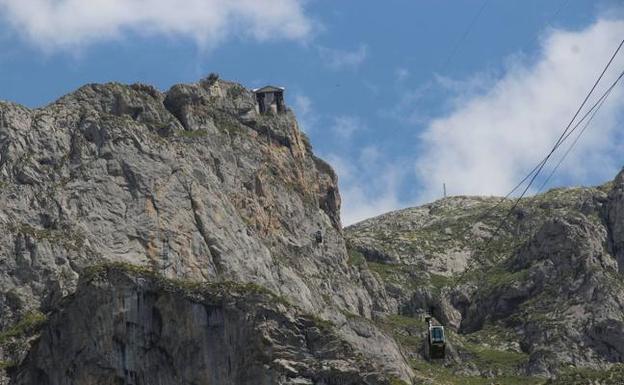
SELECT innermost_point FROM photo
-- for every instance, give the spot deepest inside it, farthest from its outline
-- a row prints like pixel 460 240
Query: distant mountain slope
pixel 547 289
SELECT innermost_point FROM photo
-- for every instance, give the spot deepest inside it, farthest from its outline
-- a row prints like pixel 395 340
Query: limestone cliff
pixel 192 184
pixel 126 325
pixel 180 237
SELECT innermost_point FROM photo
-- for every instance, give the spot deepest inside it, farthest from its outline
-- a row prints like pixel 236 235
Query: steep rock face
pixel 544 290
pixel 92 169
pixel 191 183
pixel 615 219
pixel 563 297
pixel 137 328
pixel 428 236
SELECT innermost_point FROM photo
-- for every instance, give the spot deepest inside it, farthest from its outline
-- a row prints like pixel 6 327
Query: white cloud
pixel 66 24
pixel 337 59
pixel 305 113
pixel 369 156
pixel 493 136
pixel 401 74
pixel 369 187
pixel 345 126
pixel 414 104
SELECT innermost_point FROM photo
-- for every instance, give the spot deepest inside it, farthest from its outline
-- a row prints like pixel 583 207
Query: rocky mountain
pixel 181 237
pixel 543 297
pixel 169 331
pixel 192 184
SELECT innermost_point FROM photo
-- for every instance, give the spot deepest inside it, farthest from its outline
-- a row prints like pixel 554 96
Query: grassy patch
pixel 492 335
pixel 184 286
pixel 581 376
pixel 499 277
pixel 71 240
pixel 407 331
pixel 386 272
pixel 356 258
pixel 405 276
pixel 494 359
pixel 397 381
pixel 442 375
pixel 323 325
pixel 440 281
pixel 4 365
pixel 402 321
pixel 227 123
pixel 29 324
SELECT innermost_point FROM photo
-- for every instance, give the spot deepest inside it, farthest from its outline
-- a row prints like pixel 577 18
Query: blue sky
pixel 399 97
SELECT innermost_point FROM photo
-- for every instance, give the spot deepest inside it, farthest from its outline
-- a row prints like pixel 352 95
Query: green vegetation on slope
pixel 482 351
pixel 611 376
pixel 182 286
pixel 443 375
pixel 13 338
pixel 28 325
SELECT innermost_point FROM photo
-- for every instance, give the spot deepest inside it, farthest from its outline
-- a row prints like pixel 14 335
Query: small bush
pixel 29 324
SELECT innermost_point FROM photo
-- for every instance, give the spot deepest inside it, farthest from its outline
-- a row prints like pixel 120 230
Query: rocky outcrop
pixel 546 286
pixel 615 219
pixel 191 183
pixel 560 287
pixel 127 326
pixel 181 237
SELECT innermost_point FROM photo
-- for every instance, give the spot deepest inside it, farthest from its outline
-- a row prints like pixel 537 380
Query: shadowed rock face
pixel 192 184
pixel 124 327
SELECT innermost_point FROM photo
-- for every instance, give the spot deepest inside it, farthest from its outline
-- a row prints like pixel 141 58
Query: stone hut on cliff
pixel 270 99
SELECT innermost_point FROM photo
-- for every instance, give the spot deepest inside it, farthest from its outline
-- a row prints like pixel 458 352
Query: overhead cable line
pixel 538 168
pixel 465 34
pixel 591 113
pixel 564 135
pixel 571 147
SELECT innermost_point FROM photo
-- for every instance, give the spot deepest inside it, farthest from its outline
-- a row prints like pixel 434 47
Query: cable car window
pixel 437 334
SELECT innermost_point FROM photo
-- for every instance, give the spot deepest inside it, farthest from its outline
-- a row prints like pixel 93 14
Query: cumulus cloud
pixel 491 138
pixel 305 112
pixel 401 74
pixel 65 24
pixel 345 126
pixel 368 187
pixel 338 59
pixel 413 106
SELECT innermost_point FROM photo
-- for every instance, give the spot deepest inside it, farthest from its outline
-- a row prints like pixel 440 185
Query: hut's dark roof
pixel 268 89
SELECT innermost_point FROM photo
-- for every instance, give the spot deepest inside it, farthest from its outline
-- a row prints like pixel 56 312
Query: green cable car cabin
pixel 436 342
pixel 437 345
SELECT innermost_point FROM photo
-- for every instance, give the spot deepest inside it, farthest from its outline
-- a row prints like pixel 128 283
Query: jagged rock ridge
pixel 176 332
pixel 549 287
pixel 193 184
pixel 194 211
